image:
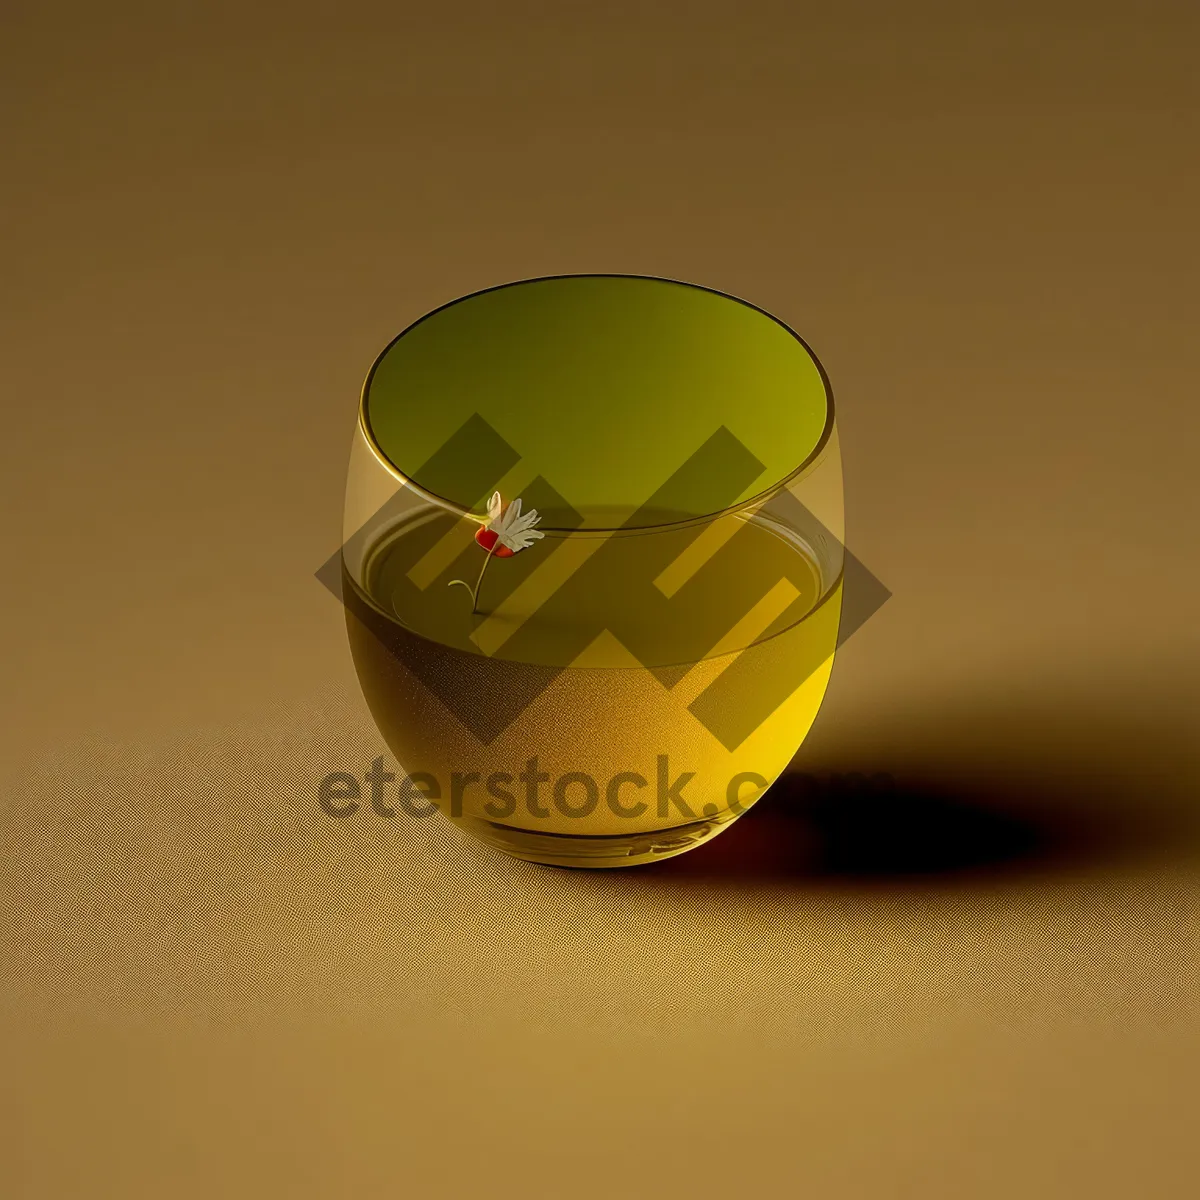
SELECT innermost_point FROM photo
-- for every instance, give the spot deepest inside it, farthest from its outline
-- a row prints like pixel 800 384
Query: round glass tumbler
pixel 592 562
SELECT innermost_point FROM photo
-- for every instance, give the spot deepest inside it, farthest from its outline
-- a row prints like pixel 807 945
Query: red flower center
pixel 488 538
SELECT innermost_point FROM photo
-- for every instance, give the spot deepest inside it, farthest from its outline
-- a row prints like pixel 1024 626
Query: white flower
pixel 508 529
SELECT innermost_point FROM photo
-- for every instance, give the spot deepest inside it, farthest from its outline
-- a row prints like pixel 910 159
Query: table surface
pixel 977 981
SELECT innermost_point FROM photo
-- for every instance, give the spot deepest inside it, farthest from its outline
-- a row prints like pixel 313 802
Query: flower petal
pixel 513 528
pixel 520 539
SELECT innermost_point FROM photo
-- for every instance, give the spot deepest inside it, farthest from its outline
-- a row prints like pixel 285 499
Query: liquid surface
pixel 672 596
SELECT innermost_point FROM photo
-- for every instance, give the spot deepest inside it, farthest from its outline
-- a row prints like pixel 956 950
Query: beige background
pixel 981 984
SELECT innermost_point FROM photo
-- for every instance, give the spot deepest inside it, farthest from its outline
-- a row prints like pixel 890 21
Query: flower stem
pixel 487 559
pixel 475 590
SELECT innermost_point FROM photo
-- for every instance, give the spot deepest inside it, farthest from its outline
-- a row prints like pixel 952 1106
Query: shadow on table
pixel 1101 773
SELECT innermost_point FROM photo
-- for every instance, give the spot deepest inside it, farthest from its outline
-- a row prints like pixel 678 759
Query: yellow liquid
pixel 661 688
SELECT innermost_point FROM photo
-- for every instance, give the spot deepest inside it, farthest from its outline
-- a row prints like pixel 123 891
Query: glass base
pixel 570 850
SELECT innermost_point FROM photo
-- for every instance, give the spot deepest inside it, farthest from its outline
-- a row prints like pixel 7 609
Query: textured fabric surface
pixel 212 985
